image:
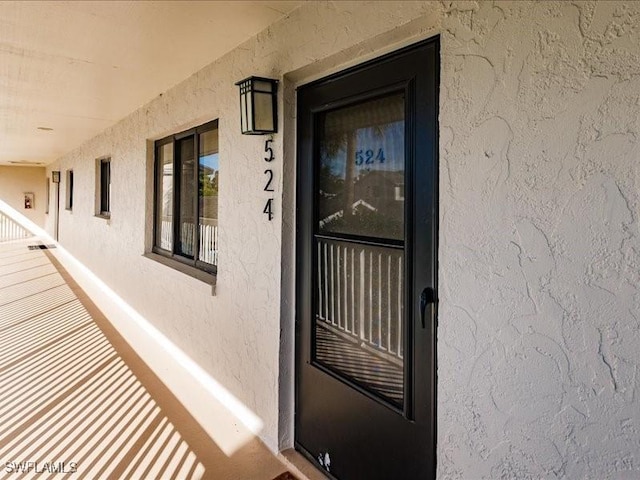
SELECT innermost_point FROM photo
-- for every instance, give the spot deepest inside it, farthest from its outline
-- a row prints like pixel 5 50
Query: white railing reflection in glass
pixel 208 239
pixel 360 293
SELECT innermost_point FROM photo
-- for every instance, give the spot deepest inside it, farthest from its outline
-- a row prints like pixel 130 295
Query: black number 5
pixel 268 150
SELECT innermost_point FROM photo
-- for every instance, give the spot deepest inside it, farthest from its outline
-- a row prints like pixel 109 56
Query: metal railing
pixel 360 293
pixel 11 230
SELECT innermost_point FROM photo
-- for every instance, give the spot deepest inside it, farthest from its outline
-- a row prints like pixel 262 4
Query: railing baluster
pixel 362 304
pixel 400 299
pixel 379 300
pixel 389 304
pixel 371 297
pixel 326 282
pixel 333 287
pixel 345 289
pixel 353 291
pixel 320 281
pixel 339 286
pixel 215 245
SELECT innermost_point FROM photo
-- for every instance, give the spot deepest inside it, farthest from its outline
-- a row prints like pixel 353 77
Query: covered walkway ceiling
pixel 68 70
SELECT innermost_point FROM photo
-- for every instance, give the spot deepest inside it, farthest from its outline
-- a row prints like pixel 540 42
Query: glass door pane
pixel 359 245
pixel 187 217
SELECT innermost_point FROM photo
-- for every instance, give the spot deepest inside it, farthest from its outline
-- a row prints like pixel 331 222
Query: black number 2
pixel 267 187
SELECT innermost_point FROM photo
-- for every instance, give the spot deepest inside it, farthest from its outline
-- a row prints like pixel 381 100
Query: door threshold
pixel 298 464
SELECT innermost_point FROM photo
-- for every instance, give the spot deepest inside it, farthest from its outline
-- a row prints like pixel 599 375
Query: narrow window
pixel 186 197
pixel 46 211
pixel 69 196
pixel 104 184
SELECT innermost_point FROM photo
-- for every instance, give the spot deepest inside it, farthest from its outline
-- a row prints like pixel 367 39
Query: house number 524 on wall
pixel 268 207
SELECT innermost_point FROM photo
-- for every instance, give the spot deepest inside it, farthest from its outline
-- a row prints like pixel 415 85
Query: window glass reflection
pixel 208 174
pixel 361 177
pixel 187 196
pixel 164 227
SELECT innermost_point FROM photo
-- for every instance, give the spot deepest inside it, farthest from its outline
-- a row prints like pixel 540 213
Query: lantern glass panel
pixel 250 114
pixel 243 112
pixel 262 86
pixel 263 111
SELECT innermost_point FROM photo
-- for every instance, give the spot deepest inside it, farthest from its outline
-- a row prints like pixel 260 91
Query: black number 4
pixel 268 209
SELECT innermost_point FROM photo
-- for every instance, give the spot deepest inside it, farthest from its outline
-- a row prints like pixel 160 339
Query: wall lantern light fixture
pixel 258 105
pixel 55 176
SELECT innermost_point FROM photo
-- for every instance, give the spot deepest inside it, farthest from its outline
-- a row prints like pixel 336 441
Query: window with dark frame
pixel 69 190
pixel 186 197
pixel 105 187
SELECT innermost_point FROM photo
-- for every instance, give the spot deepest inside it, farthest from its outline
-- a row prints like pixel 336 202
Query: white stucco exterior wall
pixel 539 241
pixel 539 257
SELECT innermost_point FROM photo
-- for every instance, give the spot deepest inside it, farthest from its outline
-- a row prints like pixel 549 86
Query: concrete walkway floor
pixel 76 401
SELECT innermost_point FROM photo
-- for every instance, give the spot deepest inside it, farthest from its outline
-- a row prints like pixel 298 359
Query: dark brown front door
pixel 366 268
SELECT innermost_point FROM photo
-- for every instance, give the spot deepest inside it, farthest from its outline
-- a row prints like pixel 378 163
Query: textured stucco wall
pixel 16 181
pixel 539 240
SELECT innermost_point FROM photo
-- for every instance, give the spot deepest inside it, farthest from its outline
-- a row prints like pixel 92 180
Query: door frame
pixel 302 239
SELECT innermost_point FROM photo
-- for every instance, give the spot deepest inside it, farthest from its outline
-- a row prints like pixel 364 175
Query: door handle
pixel 427 297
